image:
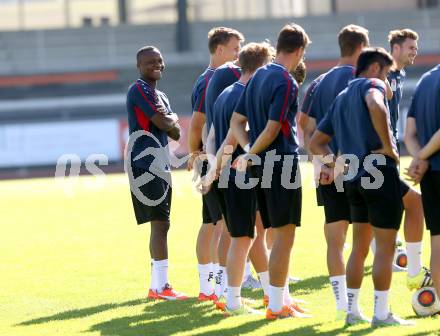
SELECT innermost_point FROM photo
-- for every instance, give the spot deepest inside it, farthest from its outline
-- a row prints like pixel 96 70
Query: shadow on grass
pixel 166 318
pixel 160 318
pixel 80 313
pixel 169 318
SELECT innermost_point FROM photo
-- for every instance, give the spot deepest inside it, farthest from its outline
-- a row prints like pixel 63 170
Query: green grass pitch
pixel 73 262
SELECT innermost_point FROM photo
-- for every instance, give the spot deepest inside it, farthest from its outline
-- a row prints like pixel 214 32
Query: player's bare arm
pixel 379 118
pixel 225 151
pixel 238 128
pixel 165 122
pixel 266 137
pixel 195 136
pixel 309 129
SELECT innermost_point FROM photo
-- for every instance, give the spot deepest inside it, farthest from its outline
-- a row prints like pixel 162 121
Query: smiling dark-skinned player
pixel 151 121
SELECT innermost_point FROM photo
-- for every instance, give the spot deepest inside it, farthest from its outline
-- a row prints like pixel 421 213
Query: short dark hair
pixel 300 72
pixel 350 38
pixel 254 55
pixel 370 56
pixel 291 38
pixel 399 36
pixel 145 49
pixel 222 35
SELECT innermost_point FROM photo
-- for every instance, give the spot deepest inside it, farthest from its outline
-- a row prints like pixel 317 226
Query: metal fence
pixel 43 14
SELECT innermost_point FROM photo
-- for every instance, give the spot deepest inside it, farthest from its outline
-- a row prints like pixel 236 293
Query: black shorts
pixel 336 206
pixel 211 212
pixel 430 186
pixel 155 191
pixel 277 204
pixel 381 207
pixel 404 188
pixel 239 210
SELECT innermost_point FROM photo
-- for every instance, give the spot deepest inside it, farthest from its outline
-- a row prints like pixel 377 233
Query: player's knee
pixel 359 252
pixel 412 201
pixel 160 228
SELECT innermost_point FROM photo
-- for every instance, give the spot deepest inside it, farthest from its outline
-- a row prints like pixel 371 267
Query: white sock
pixel 275 298
pixel 247 270
pixel 153 283
pixel 373 246
pixel 225 283
pixel 215 267
pixel 414 254
pixel 287 299
pixel 205 271
pixel 160 268
pixel 218 281
pixel 381 309
pixel 233 298
pixel 264 280
pixel 353 301
pixel 339 285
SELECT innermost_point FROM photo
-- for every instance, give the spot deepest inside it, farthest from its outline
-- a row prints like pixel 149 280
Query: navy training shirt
pixel 143 103
pixel 271 94
pixel 425 108
pixel 224 107
pixel 308 97
pixel 348 121
pixel 223 76
pixel 395 78
pixel 198 96
pixel 330 85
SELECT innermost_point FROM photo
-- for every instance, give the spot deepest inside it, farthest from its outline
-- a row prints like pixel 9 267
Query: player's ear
pixel 375 68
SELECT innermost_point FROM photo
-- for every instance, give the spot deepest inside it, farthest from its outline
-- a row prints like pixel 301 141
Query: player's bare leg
pixel 158 240
pixel 223 248
pixel 362 235
pixel 283 238
pixel 382 269
pixel 159 254
pixel 214 242
pixel 236 260
pixel 413 228
pixel 259 256
pixel 335 235
pixel 258 252
pixel 203 245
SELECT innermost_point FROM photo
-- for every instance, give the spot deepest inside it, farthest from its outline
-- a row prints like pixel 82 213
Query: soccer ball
pixel 425 302
pixel 400 257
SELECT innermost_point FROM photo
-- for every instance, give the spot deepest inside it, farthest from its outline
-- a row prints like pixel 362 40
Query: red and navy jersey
pixel 271 94
pixel 143 102
pixel 348 121
pixel 333 82
pixel 330 85
pixel 425 108
pixel 225 75
pixel 395 78
pixel 308 97
pixel 198 96
pixel 224 107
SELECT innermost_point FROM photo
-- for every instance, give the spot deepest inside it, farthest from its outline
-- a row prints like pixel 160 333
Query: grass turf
pixel 73 262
